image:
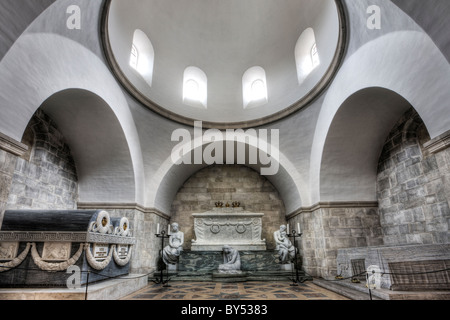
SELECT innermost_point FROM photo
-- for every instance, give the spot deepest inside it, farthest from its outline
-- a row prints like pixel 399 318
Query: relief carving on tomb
pixel 233 226
pixel 56 251
pixel 8 250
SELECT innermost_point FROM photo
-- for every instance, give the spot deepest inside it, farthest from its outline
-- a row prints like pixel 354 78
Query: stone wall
pixel 7 166
pixel 228 183
pixel 413 186
pixel 45 177
pixel 328 227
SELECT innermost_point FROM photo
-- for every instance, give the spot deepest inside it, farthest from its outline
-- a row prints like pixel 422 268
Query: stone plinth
pixel 209 261
pixel 228 226
pixel 404 267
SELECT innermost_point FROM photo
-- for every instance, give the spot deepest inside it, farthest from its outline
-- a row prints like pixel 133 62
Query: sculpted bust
pixel 173 250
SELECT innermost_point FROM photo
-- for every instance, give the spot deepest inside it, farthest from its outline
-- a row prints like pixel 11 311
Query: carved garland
pixel 54 267
pixel 96 264
pixel 118 260
pixel 17 261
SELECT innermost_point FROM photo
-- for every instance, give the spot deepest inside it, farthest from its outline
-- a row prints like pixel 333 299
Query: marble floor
pixel 235 291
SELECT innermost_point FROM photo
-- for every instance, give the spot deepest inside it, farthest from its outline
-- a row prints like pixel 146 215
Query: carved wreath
pixel 17 261
pixel 54 267
pixel 97 265
pixel 119 261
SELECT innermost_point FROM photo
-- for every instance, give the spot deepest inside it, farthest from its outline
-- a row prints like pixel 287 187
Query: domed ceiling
pixel 229 47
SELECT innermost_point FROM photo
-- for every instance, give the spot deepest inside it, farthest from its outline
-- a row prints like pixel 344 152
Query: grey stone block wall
pixel 413 186
pixel 228 183
pixel 327 229
pixel 7 166
pixel 46 176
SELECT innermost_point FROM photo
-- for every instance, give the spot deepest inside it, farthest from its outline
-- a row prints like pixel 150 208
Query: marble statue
pixel 173 250
pixel 231 260
pixel 286 249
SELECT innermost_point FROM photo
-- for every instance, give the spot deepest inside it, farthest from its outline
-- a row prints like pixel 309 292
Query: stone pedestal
pixel 228 226
pixel 238 276
pixel 172 267
pixel 287 267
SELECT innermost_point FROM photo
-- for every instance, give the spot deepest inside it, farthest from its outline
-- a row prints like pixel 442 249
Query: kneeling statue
pixel 231 260
pixel 286 249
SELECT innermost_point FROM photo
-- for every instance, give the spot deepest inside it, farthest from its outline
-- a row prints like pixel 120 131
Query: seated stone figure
pixel 231 260
pixel 286 250
pixel 172 251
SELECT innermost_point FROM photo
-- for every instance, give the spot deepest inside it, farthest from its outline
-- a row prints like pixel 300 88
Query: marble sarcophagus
pixel 60 248
pixel 228 226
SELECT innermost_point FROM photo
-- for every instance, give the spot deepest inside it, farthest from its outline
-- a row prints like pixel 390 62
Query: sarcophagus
pixel 228 226
pixel 63 248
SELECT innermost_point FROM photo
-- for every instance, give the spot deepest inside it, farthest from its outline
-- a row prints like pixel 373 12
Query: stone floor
pixel 235 291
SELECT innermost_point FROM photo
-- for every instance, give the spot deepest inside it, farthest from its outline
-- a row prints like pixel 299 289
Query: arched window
pixel 195 88
pixel 142 56
pixel 306 54
pixel 254 87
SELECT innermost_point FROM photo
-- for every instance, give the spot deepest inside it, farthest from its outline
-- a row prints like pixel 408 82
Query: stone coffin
pixel 408 267
pixel 228 226
pixel 46 248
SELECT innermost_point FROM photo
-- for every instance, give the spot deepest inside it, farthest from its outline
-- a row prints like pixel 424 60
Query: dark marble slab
pixel 201 261
pixel 48 220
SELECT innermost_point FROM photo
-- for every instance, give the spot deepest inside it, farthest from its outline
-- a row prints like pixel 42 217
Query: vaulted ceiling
pixel 223 39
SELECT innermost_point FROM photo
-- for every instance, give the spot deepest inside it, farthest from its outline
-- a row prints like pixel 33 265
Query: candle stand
pixel 297 279
pixel 165 283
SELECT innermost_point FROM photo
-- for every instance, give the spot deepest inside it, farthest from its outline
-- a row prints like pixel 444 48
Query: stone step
pixel 213 276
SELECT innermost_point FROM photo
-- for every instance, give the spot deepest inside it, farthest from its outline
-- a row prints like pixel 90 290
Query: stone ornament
pixel 102 224
pixel 172 251
pixel 16 261
pixel 56 251
pixel 123 229
pixel 53 267
pixel 374 277
pixel 96 263
pixel 121 261
pixel 239 228
pixel 284 246
pixel 8 250
pixel 38 236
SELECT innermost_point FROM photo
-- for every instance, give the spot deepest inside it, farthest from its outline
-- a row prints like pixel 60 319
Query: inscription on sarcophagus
pixel 122 251
pixel 101 251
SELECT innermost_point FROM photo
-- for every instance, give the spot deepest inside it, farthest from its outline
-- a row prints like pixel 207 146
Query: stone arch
pixel 54 58
pixel 98 144
pixel 384 74
pixel 45 177
pixel 354 143
pixel 411 188
pixel 170 177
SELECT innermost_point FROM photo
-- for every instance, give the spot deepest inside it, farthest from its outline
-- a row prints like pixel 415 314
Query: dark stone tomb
pixel 63 248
